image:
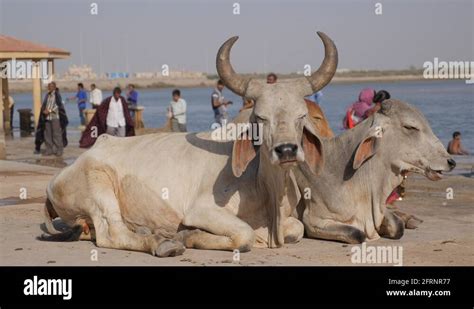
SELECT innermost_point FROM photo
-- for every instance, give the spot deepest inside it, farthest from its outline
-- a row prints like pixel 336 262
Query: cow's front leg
pixel 215 228
pixel 392 226
pixel 333 230
pixel 293 230
pixel 112 232
pixel 411 221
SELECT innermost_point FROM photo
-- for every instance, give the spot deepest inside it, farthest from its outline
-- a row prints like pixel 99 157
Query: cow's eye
pixel 260 118
pixel 409 127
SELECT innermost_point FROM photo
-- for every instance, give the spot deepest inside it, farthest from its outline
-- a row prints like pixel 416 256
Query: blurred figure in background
pixel 112 117
pixel 363 108
pixel 177 110
pixel 81 98
pixel 379 97
pixel 356 112
pixel 95 96
pixel 316 97
pixel 219 104
pixel 132 99
pixel 272 78
pixel 11 105
pixel 455 147
pixel 52 123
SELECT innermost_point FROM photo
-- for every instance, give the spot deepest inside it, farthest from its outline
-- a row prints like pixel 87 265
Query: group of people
pixel 95 99
pixel 114 115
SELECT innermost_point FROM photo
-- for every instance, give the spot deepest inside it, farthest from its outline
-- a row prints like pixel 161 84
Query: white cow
pixel 192 191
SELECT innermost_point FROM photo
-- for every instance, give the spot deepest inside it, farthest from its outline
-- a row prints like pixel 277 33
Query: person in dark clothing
pixel 52 123
pixel 379 97
pixel 105 122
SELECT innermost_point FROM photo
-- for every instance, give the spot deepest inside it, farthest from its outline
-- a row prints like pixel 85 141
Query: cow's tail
pixel 72 234
pixel 49 215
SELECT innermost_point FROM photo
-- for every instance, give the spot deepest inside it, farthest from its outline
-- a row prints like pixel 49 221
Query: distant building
pixel 172 74
pixel 75 72
pixel 146 75
pixel 117 75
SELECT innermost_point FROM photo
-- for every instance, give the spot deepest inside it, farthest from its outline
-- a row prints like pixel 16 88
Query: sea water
pixel 448 105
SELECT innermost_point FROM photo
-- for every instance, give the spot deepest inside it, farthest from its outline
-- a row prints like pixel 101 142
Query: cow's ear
pixel 366 149
pixel 242 153
pixel 313 149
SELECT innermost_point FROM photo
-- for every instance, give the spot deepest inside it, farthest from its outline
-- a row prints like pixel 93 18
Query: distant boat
pixel 470 81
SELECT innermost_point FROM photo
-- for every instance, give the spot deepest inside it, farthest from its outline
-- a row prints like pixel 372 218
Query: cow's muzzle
pixel 435 174
pixel 286 153
pixel 452 164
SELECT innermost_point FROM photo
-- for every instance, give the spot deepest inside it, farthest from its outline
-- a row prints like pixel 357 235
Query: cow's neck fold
pixel 273 183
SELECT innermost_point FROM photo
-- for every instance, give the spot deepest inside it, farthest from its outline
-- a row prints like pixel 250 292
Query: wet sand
pixel 446 237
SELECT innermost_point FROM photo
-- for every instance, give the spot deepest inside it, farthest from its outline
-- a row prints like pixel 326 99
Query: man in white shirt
pixel 95 96
pixel 111 117
pixel 115 116
pixel 178 112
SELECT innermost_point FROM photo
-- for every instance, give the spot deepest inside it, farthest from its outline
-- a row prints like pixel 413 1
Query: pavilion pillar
pixel 3 152
pixel 6 107
pixel 36 93
pixel 51 70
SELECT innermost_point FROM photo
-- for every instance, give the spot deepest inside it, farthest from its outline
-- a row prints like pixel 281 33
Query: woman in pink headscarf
pixel 357 112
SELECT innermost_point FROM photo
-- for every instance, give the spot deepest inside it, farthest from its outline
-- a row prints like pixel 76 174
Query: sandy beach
pixel 446 237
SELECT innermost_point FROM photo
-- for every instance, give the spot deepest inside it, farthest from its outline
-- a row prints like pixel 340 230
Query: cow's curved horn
pixel 232 80
pixel 326 71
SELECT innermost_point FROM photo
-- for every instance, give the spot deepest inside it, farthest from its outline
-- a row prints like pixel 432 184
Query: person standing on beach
pixel 81 97
pixel 219 104
pixel 455 147
pixel 111 117
pixel 11 105
pixel 132 99
pixel 116 114
pixel 52 121
pixel 95 96
pixel 177 111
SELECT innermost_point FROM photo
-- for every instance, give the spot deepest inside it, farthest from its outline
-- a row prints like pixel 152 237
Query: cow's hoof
pixel 393 227
pixel 356 236
pixel 349 234
pixel 169 248
pixel 413 223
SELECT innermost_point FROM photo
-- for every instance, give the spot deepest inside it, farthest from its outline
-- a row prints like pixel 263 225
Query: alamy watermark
pixel 237 131
pixel 59 287
pixel 437 69
pixel 25 69
pixel 364 254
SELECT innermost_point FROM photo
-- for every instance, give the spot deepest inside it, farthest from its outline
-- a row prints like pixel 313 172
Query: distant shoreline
pixel 204 82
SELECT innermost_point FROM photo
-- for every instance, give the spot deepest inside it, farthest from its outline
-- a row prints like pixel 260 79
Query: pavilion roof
pixel 11 47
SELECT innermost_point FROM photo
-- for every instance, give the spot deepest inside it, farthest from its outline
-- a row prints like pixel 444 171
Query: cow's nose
pixel 452 164
pixel 286 151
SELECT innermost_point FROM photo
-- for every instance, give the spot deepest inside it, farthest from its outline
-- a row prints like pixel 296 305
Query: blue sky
pixel 280 36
